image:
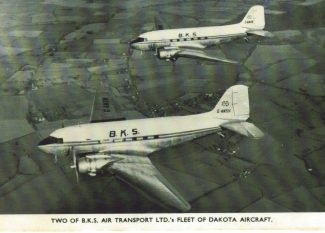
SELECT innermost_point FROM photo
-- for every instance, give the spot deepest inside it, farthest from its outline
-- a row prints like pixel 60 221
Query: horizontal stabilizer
pixel 245 128
pixel 261 33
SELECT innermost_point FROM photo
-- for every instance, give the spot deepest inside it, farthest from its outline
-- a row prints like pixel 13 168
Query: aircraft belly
pixel 163 143
pixel 90 148
pixel 147 147
pixel 211 42
pixel 131 147
pixel 157 45
pixel 58 150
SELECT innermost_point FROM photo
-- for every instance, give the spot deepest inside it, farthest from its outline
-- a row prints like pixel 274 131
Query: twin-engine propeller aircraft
pixel 122 147
pixel 171 44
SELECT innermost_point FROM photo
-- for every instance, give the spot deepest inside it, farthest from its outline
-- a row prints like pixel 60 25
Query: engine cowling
pixel 91 164
pixel 167 54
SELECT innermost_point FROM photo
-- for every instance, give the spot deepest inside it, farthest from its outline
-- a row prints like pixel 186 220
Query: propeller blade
pixel 75 165
pixel 130 50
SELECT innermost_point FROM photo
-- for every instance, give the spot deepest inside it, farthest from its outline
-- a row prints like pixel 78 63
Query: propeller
pixel 75 164
pixel 130 50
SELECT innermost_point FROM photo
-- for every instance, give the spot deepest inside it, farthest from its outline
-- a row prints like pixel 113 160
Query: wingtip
pixel 258 136
pixel 235 62
pixel 185 207
pixel 231 62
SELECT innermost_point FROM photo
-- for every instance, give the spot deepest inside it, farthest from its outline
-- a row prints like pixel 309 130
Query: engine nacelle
pixel 167 54
pixel 93 163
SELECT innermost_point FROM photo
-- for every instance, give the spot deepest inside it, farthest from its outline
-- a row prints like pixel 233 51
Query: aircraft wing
pixel 139 172
pixel 191 46
pixel 105 107
pixel 160 24
pixel 202 55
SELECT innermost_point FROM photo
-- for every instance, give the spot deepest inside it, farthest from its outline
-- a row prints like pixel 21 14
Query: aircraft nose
pixel 43 148
pixel 132 44
pixel 42 145
pixel 135 43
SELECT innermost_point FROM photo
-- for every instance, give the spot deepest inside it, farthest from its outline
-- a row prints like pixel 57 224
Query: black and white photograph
pixel 162 107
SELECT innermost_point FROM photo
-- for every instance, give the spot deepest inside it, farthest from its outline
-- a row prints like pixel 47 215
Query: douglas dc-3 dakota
pixel 121 147
pixel 170 44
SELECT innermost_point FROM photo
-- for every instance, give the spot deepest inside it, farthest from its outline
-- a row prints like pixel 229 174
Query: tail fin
pixel 233 105
pixel 234 108
pixel 254 19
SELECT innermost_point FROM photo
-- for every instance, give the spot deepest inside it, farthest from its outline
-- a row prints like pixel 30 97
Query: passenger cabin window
pixel 51 140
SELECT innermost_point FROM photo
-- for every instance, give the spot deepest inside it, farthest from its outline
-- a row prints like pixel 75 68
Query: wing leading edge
pixel 139 172
pixel 202 55
pixel 105 107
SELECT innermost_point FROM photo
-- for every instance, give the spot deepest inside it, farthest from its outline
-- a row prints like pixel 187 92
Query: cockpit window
pixel 51 140
pixel 139 39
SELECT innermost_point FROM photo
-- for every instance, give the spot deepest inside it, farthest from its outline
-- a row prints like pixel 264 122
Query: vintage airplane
pixel 170 44
pixel 122 146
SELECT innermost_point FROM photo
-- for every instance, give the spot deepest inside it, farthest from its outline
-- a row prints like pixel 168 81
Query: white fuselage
pixel 141 136
pixel 191 37
pixel 121 147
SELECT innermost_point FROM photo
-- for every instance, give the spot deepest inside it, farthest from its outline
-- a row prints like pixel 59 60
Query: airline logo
pixel 182 35
pixel 224 107
pixel 250 18
pixel 123 133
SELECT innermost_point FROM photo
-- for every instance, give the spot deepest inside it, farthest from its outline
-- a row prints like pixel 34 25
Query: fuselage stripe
pixel 138 138
pixel 172 40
